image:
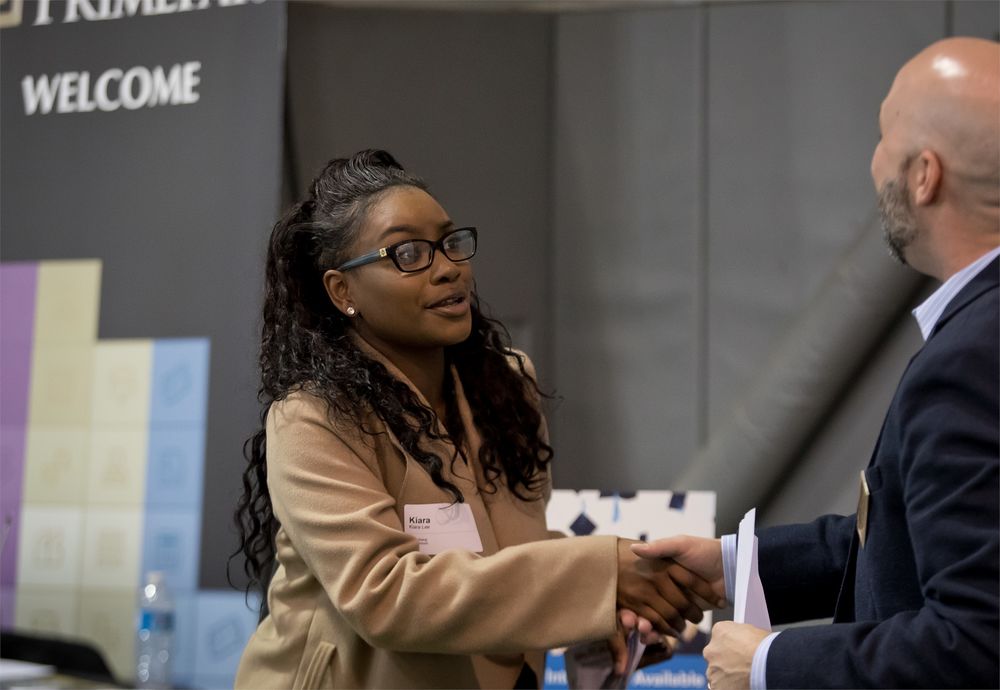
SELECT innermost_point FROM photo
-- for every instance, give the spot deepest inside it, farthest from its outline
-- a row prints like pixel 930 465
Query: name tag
pixel 862 514
pixel 442 526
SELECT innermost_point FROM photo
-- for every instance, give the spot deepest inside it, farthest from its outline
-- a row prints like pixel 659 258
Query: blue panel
pixel 225 623
pixel 171 542
pixel 180 380
pixel 211 683
pixel 555 672
pixel 683 672
pixel 185 635
pixel 176 467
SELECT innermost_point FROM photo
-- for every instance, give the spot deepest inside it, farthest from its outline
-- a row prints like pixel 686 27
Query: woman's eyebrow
pixel 446 225
pixel 394 229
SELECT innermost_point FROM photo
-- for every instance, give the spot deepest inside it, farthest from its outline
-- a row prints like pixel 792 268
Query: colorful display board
pixel 102 445
pixel 646 516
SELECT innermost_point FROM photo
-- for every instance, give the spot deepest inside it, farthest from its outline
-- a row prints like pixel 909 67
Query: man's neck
pixel 959 257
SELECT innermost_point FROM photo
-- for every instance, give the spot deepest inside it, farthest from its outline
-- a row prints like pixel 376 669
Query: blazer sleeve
pixel 949 463
pixel 801 567
pixel 337 512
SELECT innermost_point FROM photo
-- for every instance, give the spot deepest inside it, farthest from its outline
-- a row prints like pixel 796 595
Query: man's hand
pixel 701 556
pixel 698 555
pixel 660 590
pixel 730 655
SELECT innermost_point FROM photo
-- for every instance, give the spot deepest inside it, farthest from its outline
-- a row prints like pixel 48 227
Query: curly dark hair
pixel 306 343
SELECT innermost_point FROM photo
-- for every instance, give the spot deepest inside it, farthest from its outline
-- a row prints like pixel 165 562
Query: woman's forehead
pixel 404 207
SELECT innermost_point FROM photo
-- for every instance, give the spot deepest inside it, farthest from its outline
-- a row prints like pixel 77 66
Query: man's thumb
pixel 661 548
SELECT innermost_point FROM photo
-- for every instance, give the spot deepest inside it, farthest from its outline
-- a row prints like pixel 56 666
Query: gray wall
pixel 728 147
pixel 733 161
pixel 626 259
pixel 462 99
pixel 662 191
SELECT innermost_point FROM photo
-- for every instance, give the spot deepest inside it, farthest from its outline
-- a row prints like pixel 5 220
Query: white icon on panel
pixel 50 550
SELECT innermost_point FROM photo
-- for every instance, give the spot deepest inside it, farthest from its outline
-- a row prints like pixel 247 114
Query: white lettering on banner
pixel 554 677
pixel 129 8
pixel 103 10
pixel 667 678
pixel 132 89
pixel 79 8
pixel 39 94
pixel 42 17
pixel 101 90
pixel 67 90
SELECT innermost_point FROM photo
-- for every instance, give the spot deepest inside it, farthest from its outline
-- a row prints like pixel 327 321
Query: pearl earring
pixel 351 311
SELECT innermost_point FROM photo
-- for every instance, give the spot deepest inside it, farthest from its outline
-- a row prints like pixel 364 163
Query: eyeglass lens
pixel 414 255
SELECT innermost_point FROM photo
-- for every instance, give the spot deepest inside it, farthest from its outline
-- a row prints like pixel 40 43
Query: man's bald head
pixel 947 99
pixel 940 145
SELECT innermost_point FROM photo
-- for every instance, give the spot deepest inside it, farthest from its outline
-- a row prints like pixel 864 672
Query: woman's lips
pixel 455 305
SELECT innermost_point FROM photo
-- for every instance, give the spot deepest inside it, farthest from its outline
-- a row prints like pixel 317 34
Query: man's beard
pixel 899 227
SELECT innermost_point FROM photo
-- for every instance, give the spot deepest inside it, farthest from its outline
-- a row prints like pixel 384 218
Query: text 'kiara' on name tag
pixel 441 526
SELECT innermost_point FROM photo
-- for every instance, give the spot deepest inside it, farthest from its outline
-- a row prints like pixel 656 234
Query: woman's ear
pixel 339 292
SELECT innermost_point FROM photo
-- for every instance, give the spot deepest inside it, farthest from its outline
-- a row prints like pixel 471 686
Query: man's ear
pixel 925 180
pixel 338 291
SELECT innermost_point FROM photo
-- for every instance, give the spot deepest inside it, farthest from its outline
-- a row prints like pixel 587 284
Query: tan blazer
pixel 354 604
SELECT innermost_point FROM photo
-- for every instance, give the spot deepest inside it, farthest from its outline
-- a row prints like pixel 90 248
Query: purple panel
pixel 11 475
pixel 18 285
pixel 6 608
pixel 17 322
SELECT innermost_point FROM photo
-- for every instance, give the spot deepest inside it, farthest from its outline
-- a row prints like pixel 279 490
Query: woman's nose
pixel 443 269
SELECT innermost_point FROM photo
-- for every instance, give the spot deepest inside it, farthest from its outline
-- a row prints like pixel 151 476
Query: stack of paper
pixel 750 606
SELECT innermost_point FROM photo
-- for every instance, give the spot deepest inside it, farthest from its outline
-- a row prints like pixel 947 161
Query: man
pixel 912 580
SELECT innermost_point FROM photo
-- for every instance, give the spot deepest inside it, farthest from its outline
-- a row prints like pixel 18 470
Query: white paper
pixel 750 605
pixel 12 670
pixel 442 526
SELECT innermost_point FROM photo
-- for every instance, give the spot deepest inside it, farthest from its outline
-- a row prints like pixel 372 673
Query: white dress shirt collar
pixel 928 313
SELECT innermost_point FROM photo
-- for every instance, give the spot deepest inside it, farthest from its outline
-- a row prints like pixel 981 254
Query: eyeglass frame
pixel 389 252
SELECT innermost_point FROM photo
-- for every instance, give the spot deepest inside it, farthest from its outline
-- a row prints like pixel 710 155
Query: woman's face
pixel 397 310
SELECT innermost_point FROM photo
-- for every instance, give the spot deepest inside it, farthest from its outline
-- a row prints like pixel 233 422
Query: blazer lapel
pixel 458 471
pixel 511 520
pixel 844 610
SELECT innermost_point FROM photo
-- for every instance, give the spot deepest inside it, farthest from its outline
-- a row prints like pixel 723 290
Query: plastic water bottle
pixel 155 639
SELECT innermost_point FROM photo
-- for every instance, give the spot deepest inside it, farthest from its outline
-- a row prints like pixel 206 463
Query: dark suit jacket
pixel 917 605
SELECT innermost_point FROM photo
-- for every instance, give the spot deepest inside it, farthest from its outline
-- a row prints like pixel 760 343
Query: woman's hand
pixel 661 591
pixel 657 652
pixel 658 648
pixel 618 646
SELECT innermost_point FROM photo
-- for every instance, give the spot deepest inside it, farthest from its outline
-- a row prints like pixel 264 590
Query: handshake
pixel 662 586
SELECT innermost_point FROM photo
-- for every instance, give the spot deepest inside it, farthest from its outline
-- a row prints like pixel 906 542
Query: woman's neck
pixel 425 368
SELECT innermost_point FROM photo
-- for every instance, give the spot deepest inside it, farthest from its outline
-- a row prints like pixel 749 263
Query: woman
pixel 401 475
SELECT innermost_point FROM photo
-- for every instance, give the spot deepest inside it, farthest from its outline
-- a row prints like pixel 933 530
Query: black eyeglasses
pixel 416 255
